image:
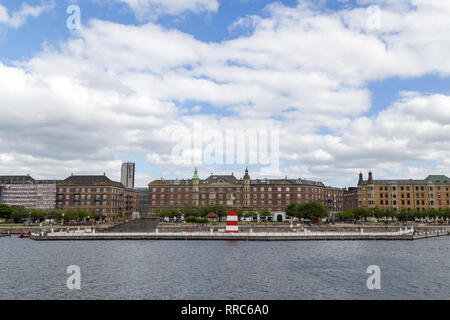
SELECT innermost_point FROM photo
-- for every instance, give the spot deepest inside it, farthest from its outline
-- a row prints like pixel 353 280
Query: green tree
pixel 292 209
pixel 264 213
pixel 19 213
pixel 5 211
pixel 345 215
pixel 37 215
pixel 250 213
pixel 309 210
pixel 190 211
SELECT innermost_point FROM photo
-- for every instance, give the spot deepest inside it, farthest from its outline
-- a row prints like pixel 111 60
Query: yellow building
pixel 421 195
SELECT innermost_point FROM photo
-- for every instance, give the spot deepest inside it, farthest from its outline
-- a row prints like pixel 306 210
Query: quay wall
pixel 303 236
pixel 222 237
pixel 285 228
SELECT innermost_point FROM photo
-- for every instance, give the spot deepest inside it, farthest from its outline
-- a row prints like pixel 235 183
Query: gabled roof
pixel 90 181
pixel 220 179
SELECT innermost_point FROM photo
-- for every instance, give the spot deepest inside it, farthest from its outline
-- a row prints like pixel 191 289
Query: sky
pixel 338 87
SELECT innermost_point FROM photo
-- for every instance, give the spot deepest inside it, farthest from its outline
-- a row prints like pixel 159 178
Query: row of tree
pixel 309 210
pixel 17 214
pixel 203 211
pixel 402 215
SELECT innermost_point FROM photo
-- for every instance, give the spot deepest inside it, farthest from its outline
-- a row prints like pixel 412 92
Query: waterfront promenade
pixel 402 234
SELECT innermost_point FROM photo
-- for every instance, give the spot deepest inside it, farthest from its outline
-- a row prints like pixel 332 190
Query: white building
pixel 26 192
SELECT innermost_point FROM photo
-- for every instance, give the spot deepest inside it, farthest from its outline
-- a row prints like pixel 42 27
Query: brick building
pixel 244 193
pixel 351 198
pixel 430 193
pixel 97 194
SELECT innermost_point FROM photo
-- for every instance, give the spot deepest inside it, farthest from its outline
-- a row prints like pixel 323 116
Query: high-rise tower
pixel 127 174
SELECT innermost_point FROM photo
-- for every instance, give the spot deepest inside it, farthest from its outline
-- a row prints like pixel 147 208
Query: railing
pixel 91 232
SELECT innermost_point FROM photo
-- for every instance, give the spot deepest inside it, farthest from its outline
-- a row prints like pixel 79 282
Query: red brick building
pixel 351 198
pixel 244 193
pixel 97 194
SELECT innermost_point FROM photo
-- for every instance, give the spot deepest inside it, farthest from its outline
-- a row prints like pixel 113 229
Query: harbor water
pixel 224 269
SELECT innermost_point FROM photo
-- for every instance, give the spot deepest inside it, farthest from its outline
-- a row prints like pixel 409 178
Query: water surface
pixel 224 269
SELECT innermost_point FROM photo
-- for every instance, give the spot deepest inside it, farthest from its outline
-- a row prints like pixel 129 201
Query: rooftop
pixel 90 181
pixel 430 180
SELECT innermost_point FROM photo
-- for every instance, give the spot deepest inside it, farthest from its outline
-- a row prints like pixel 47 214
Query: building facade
pixel 430 193
pixel 244 193
pixel 351 198
pixel 143 194
pixel 127 174
pixel 24 191
pixel 97 194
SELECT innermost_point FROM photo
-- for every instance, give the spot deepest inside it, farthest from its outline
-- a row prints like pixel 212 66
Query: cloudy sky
pixel 349 86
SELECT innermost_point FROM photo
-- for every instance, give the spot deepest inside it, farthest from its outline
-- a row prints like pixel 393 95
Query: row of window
pixel 238 189
pixel 89 203
pixel 237 202
pixel 408 202
pixel 84 190
pixel 89 197
pixel 407 188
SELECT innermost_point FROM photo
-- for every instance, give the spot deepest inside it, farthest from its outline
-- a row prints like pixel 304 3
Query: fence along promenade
pixel 88 234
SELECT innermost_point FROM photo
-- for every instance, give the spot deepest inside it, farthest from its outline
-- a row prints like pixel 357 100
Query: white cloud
pixel 117 90
pixel 152 9
pixel 19 18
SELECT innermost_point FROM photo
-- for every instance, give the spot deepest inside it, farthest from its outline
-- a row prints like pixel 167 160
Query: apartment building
pixel 351 198
pixel 409 194
pixel 244 193
pixel 97 194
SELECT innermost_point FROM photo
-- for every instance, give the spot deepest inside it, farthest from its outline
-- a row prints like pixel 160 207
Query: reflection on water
pixel 224 269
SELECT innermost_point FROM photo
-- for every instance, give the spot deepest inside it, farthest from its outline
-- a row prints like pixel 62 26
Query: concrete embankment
pixel 404 234
pixel 17 229
pixel 221 237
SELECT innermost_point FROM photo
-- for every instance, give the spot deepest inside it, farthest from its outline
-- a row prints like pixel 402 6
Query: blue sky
pixel 349 89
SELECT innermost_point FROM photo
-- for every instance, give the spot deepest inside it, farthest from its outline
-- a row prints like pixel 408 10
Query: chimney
pixel 370 181
pixel 361 180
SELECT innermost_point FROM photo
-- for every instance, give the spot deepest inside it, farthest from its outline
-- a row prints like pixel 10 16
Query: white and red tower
pixel 232 222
